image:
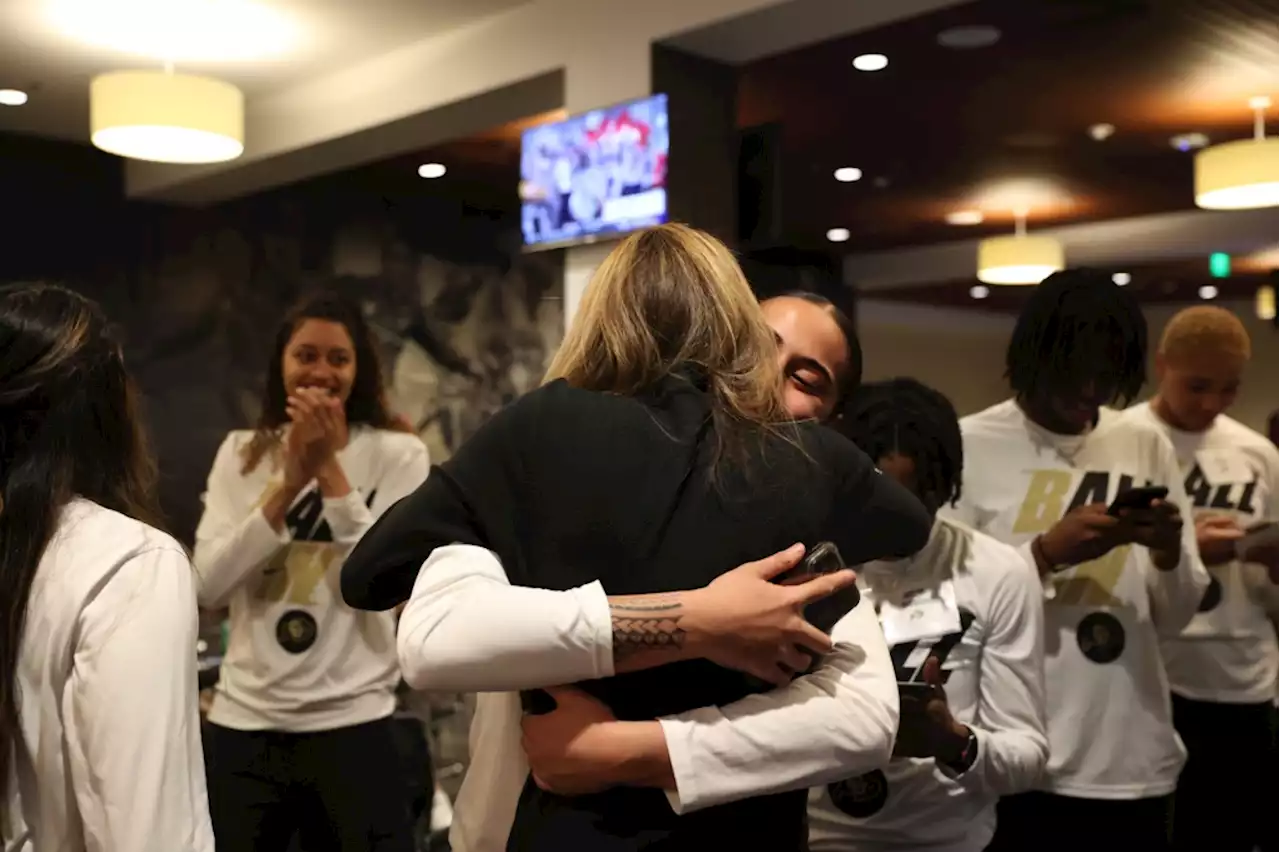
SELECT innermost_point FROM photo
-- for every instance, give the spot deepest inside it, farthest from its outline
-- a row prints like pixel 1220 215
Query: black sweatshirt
pixel 568 487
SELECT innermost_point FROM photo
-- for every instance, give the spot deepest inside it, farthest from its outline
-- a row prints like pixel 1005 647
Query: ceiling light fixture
pixel 979 291
pixel 1102 132
pixel 1208 291
pixel 969 38
pixel 838 235
pixel 12 97
pixel 871 62
pixel 965 217
pixel 848 174
pixel 430 171
pixel 165 117
pixel 1264 302
pixel 1019 259
pixel 1244 174
pixel 1121 279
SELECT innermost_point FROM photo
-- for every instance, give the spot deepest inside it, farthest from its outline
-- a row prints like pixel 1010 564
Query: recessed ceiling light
pixel 1121 279
pixel 1208 291
pixel 871 62
pixel 848 174
pixel 838 235
pixel 965 217
pixel 431 170
pixel 12 97
pixel 979 291
pixel 1189 141
pixel 1100 132
pixel 968 38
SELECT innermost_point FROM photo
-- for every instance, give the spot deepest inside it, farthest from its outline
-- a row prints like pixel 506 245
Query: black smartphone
pixel 1137 498
pixel 823 558
pixel 921 692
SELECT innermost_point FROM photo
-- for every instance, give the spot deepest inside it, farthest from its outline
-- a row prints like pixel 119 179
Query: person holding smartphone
pixel 1040 472
pixel 965 624
pixel 1222 668
pixel 602 761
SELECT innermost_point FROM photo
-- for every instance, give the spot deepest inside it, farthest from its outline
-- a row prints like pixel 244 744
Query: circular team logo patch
pixel 1100 637
pixel 296 631
pixel 860 797
pixel 1212 595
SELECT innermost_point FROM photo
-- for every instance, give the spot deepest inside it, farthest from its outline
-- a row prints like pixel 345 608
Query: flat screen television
pixel 595 176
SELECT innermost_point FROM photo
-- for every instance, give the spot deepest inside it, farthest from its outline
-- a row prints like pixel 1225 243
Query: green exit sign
pixel 1220 264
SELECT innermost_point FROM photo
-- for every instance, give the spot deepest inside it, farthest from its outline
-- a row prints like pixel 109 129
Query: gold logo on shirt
pixel 1049 496
pixel 294 573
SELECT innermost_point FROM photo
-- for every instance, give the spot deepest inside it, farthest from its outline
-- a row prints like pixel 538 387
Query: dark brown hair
pixel 367 403
pixel 69 427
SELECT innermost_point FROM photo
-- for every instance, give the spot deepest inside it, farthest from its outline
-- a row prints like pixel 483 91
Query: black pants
pixel 1228 788
pixel 338 791
pixel 1043 822
pixel 1270 841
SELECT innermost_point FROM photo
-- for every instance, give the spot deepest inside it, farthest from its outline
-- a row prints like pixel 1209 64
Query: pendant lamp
pixel 1019 259
pixel 165 117
pixel 1243 174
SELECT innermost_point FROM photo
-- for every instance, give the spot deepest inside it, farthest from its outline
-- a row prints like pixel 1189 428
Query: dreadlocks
pixel 1078 327
pixel 908 418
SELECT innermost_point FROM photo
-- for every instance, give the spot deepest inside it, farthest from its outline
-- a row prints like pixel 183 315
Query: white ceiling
pixel 38 56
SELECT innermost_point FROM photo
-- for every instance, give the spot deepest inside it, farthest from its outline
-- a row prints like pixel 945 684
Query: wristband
pixel 1037 553
pixel 968 756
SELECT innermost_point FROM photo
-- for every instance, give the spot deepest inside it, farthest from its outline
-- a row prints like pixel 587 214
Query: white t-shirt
pixel 1107 698
pixel 1228 651
pixel 299 659
pixel 993 666
pixel 110 755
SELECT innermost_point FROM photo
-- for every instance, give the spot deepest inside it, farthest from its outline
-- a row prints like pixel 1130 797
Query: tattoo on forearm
pixel 646 623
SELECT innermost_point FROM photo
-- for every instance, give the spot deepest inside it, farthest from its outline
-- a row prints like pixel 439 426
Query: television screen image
pixel 595 175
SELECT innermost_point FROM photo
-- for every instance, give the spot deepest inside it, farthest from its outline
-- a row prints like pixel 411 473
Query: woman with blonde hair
pixel 658 456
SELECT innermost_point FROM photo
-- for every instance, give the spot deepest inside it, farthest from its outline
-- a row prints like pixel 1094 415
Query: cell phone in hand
pixel 1136 498
pixel 916 691
pixel 823 558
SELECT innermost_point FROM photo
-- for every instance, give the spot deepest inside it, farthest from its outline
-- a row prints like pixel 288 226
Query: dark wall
pixel 464 321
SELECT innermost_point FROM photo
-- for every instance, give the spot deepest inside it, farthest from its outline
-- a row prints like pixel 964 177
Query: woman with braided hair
pixel 964 623
pixel 99 725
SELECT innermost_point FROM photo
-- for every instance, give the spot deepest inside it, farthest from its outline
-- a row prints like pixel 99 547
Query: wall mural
pixel 199 297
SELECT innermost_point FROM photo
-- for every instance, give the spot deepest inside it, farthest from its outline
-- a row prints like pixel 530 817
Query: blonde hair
pixel 665 298
pixel 1205 329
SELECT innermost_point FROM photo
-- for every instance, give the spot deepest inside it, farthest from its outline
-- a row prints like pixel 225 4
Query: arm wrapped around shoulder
pixel 872 516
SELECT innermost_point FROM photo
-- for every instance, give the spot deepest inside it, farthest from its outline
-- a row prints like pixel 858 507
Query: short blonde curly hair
pixel 1205 330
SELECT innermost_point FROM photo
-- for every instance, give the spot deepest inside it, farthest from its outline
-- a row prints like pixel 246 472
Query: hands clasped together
pixel 317 431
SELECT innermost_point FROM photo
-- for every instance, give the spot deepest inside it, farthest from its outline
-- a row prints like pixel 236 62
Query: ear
pixel 1162 366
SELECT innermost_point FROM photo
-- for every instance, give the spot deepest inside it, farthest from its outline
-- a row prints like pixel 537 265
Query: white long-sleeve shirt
pixel 109 758
pixel 994 681
pixel 299 659
pixel 1107 698
pixel 839 720
pixel 1227 653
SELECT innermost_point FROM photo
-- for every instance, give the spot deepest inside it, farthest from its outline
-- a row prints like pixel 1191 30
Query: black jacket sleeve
pixel 470 499
pixel 873 516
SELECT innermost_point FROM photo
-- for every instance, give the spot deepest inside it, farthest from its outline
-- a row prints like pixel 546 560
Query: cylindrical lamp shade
pixel 1239 175
pixel 1018 259
pixel 1264 302
pixel 166 118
